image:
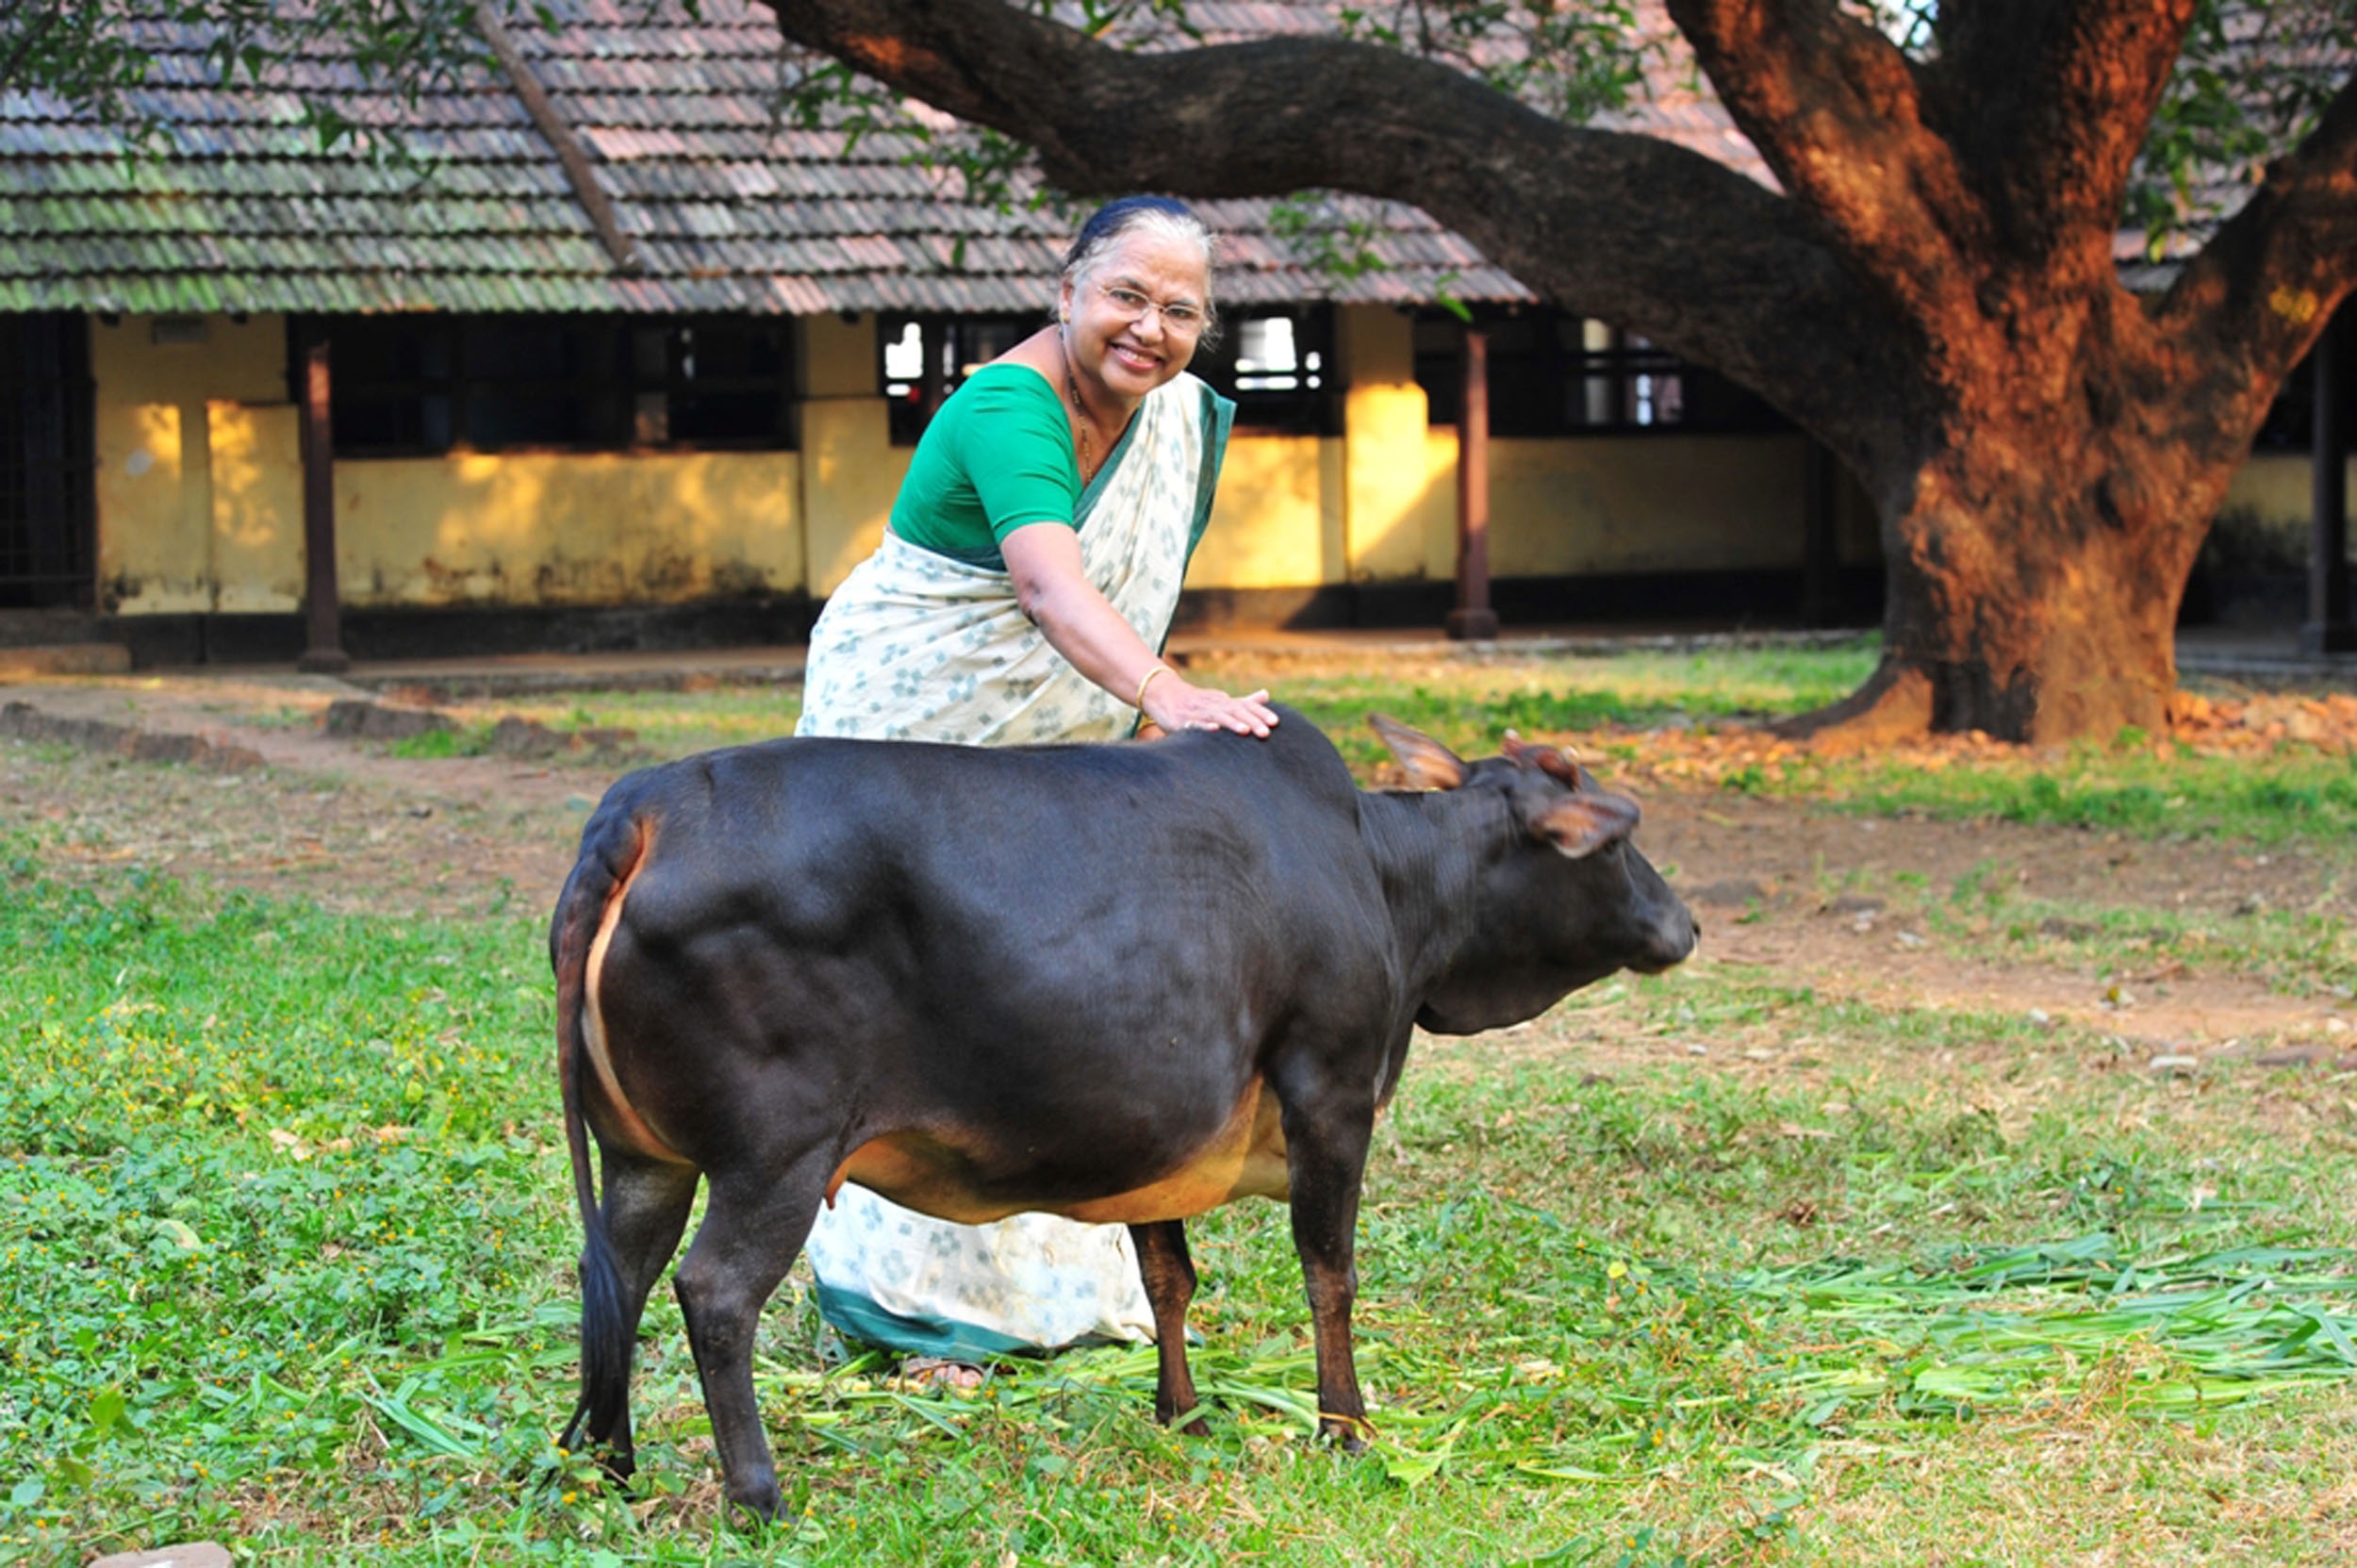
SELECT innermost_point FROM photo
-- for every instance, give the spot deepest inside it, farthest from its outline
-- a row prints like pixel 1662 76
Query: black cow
pixel 1125 984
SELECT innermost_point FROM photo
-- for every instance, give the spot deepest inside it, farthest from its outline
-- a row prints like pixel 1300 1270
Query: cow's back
pixel 818 832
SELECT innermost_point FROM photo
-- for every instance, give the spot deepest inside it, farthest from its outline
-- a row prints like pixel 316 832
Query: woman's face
pixel 1133 319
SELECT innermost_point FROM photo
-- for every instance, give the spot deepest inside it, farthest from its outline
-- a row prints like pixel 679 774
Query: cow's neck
pixel 1430 849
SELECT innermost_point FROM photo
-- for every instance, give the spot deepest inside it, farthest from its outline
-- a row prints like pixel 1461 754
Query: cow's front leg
pixel 1326 1155
pixel 1168 1273
pixel 752 1228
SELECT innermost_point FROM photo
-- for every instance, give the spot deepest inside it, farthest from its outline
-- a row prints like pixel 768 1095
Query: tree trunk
pixel 2034 578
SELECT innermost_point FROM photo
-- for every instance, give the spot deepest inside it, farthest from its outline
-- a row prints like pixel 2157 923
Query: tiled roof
pixel 241 209
pixel 2279 62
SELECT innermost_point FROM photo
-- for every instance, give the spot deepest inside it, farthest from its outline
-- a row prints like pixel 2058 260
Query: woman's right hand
pixel 1176 704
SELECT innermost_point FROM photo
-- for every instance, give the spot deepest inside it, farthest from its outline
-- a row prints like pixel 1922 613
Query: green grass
pixel 287 1239
pixel 2293 793
pixel 471 740
pixel 2295 952
pixel 667 724
pixel 1469 702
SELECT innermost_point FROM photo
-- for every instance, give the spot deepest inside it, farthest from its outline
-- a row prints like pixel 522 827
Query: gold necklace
pixel 1079 409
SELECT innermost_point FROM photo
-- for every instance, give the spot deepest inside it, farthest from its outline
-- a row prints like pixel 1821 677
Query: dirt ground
pixel 275 804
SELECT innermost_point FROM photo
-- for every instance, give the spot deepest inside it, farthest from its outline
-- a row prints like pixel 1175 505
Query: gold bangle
pixel 1139 702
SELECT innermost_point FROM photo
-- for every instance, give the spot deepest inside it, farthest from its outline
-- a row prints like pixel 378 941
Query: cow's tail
pixel 612 846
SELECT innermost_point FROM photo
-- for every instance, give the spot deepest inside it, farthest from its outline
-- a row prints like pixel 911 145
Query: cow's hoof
pixel 1192 1418
pixel 758 1506
pixel 1349 1432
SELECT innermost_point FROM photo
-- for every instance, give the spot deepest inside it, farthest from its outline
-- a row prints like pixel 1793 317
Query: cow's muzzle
pixel 1670 940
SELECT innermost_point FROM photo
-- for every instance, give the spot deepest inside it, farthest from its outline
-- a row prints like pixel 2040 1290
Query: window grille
pixel 925 359
pixel 1552 374
pixel 47 464
pixel 418 386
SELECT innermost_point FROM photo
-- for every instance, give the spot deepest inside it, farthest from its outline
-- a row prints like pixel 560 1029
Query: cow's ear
pixel 1586 822
pixel 1551 759
pixel 1429 763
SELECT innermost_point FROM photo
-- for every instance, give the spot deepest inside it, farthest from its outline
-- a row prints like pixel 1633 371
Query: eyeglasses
pixel 1178 316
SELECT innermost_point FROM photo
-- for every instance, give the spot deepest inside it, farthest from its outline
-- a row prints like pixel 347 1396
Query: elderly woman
pixel 1022 594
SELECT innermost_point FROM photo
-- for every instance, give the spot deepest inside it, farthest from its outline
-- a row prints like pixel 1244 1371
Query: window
pixel 715 382
pixel 422 385
pixel 391 385
pixel 1277 363
pixel 925 359
pixel 1557 374
pixel 2291 421
pixel 536 383
pixel 1623 382
pixel 48 514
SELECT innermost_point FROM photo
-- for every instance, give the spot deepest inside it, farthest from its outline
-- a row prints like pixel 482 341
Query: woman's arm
pixel 1053 589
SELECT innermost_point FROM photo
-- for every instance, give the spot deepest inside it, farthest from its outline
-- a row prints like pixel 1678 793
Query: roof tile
pixel 241 209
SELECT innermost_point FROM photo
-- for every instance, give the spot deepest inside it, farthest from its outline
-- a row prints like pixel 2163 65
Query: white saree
pixel 917 646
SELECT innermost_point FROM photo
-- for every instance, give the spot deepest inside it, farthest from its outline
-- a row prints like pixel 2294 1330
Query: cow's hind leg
pixel 753 1226
pixel 644 1209
pixel 1168 1274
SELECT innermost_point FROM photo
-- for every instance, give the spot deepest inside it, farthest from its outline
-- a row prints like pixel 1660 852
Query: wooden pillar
pixel 2328 629
pixel 1820 546
pixel 323 653
pixel 1473 620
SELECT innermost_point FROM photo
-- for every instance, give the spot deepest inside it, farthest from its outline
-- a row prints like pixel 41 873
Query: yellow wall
pixel 2274 488
pixel 567 528
pixel 850 469
pixel 1379 504
pixel 1635 503
pixel 167 532
pixel 255 458
pixel 1277 521
pixel 200 493
pixel 1390 510
pixel 200 497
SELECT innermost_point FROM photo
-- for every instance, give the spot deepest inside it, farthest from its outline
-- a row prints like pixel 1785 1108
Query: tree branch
pixel 29 39
pixel 1698 258
pixel 2046 106
pixel 2265 286
pixel 1835 109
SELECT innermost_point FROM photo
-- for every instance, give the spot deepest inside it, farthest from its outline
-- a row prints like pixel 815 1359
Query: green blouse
pixel 996 455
